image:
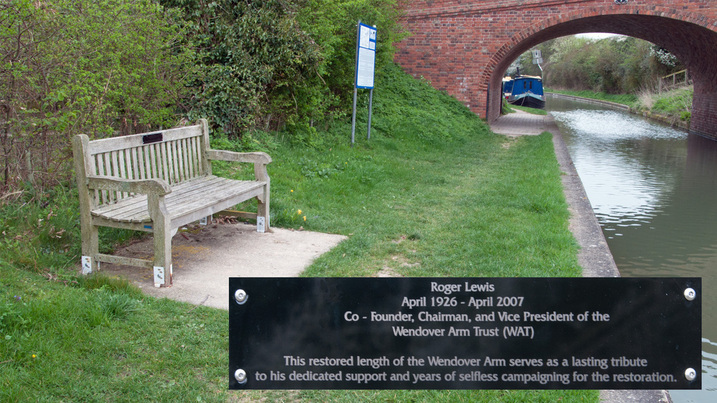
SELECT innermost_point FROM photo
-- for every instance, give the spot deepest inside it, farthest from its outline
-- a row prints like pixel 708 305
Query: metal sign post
pixel 365 69
pixel 370 112
pixel 538 58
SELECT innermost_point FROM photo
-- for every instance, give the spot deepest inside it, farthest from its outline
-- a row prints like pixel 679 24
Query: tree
pixel 100 67
pixel 612 65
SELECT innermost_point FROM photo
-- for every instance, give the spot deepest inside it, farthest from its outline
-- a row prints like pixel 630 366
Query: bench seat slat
pixel 185 199
pixel 135 208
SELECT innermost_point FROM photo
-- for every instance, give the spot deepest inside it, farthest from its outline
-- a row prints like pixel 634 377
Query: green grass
pixel 466 208
pixel 676 104
pixel 433 193
pixel 79 343
pixel 533 111
pixel 40 231
pixel 624 99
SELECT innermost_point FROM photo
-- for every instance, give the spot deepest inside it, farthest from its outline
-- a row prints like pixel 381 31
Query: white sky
pixel 596 35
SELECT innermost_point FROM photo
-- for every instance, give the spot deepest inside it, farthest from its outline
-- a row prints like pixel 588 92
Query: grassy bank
pixel 508 108
pixel 433 193
pixel 623 99
pixel 674 106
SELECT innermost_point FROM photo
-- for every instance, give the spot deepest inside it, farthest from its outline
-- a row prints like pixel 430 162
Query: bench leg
pixel 162 244
pixel 162 259
pixel 162 256
pixel 90 248
pixel 262 220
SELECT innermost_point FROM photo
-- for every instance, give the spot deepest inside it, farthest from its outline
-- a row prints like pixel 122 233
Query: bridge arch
pixel 492 36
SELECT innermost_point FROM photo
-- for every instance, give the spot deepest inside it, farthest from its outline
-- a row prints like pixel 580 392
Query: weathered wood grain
pixel 158 187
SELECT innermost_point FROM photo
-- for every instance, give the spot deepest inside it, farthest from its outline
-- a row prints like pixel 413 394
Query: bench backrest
pixel 174 155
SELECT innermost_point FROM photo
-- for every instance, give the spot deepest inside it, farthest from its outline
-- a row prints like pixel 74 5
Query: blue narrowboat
pixel 525 91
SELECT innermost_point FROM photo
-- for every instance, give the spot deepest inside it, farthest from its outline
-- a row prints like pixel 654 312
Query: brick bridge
pixel 465 46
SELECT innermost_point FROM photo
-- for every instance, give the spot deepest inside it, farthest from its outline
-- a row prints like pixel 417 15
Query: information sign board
pixel 465 333
pixel 365 56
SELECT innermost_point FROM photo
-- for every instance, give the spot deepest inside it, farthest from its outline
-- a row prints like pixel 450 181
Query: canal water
pixel 654 192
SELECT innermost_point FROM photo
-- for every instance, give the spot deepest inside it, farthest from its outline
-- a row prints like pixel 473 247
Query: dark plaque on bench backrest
pixel 152 138
pixel 465 333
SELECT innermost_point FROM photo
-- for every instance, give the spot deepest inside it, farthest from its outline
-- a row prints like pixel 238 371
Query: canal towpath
pixel 594 256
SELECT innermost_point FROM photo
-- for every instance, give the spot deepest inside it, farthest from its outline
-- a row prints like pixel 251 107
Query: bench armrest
pixel 144 186
pixel 256 157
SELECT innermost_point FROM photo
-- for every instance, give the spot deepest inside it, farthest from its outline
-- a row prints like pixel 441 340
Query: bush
pixel 274 64
pixel 81 66
pixel 616 65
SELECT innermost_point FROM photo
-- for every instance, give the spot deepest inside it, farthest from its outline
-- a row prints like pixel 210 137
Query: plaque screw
pixel 690 374
pixel 240 296
pixel 690 294
pixel 240 375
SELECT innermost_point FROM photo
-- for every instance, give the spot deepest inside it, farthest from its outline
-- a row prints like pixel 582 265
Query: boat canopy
pixel 523 84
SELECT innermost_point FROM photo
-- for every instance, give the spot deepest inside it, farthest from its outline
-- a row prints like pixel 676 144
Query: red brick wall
pixel 464 46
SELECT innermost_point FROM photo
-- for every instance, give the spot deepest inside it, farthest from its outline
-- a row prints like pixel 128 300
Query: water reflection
pixel 653 190
pixel 615 163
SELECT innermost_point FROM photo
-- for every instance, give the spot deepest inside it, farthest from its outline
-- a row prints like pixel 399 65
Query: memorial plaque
pixel 152 138
pixel 465 333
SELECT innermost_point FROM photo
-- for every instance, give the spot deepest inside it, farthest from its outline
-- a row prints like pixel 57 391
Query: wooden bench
pixel 158 182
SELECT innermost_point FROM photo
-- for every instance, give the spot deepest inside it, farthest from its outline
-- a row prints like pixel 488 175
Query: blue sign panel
pixel 365 56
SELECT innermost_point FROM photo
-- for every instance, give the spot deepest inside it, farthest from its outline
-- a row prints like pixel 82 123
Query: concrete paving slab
pixel 205 257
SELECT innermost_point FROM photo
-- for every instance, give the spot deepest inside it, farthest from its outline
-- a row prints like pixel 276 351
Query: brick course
pixel 464 47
